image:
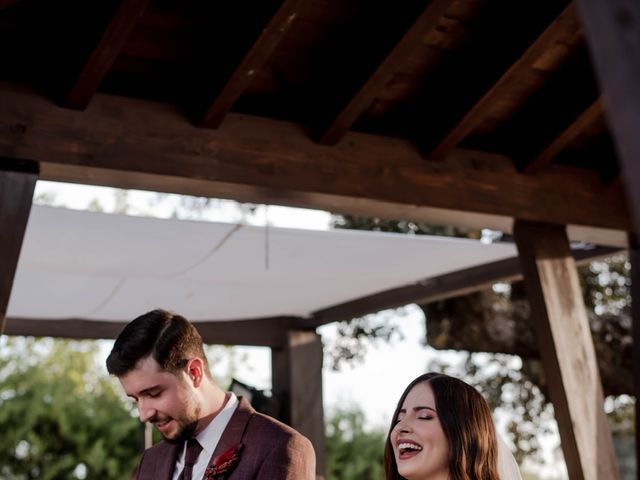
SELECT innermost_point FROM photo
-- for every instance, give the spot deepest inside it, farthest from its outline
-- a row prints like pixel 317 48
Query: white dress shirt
pixel 208 439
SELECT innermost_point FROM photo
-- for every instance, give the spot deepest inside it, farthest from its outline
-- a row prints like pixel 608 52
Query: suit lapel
pixel 161 462
pixel 166 463
pixel 234 431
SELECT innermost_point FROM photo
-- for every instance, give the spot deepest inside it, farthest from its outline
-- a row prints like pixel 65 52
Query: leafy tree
pixel 352 452
pixel 60 415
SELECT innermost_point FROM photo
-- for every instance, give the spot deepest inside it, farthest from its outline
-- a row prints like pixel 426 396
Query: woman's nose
pixel 404 426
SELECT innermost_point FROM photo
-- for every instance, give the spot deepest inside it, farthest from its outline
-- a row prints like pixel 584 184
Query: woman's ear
pixel 195 371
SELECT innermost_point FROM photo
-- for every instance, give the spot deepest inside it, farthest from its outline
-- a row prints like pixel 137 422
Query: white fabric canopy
pixel 95 266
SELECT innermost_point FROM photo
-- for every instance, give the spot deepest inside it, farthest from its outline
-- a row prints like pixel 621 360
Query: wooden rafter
pixel 567 350
pixel 267 161
pixel 565 24
pixel 253 61
pixel 571 133
pixel 7 3
pixel 105 53
pixel 17 182
pixel 613 33
pixel 426 22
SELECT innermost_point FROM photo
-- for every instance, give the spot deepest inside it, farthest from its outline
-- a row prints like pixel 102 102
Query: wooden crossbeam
pixel 567 351
pixel 297 384
pixel 565 24
pixel 570 134
pixel 263 332
pixel 427 21
pixel 256 57
pixel 17 182
pixel 613 33
pixel 132 143
pixel 104 54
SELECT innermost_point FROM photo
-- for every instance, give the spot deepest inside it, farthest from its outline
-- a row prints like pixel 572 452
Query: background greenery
pixel 62 417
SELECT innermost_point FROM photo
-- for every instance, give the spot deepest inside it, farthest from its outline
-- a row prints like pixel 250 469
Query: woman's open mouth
pixel 408 450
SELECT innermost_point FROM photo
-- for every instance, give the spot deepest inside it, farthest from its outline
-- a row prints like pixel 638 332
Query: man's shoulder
pixel 156 461
pixel 264 426
pixel 159 450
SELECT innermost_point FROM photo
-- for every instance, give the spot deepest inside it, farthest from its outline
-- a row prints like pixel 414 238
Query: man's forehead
pixel 145 375
pixel 148 364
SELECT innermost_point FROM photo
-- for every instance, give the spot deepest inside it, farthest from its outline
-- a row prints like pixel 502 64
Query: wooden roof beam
pixel 254 60
pixel 105 53
pixel 17 182
pixel 427 21
pixel 564 24
pixel 263 332
pixel 132 143
pixel 613 33
pixel 569 135
pixel 7 3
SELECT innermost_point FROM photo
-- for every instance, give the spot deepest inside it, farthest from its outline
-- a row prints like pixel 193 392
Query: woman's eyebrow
pixel 424 407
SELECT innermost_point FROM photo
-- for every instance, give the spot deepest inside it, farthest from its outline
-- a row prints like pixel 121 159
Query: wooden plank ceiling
pixel 379 108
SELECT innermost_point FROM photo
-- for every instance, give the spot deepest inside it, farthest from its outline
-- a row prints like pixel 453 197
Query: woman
pixel 442 429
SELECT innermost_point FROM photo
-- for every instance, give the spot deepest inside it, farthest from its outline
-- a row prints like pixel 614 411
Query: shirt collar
pixel 211 434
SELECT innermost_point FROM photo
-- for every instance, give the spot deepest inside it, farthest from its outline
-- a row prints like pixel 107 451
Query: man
pixel 208 433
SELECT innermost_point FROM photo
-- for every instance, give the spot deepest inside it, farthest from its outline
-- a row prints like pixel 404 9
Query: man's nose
pixel 145 410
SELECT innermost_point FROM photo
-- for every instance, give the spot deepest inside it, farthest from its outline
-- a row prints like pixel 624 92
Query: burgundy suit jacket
pixel 271 451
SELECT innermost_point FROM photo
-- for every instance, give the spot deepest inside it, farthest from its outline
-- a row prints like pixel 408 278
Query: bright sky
pixel 373 385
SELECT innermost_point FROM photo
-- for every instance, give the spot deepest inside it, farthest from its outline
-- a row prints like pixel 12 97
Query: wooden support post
pixel 297 383
pixel 17 182
pixel 613 32
pixel 567 351
pixel 634 258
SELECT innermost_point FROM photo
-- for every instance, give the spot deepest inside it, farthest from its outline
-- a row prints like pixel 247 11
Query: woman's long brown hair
pixel 467 423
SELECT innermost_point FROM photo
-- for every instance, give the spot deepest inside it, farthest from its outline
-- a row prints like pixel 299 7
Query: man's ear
pixel 195 371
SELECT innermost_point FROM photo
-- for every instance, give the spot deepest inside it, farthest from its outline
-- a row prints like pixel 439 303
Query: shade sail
pixel 96 266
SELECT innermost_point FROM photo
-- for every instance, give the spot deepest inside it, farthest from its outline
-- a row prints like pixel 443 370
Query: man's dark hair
pixel 170 339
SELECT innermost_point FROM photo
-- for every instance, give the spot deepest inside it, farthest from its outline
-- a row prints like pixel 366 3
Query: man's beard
pixel 186 429
pixel 184 433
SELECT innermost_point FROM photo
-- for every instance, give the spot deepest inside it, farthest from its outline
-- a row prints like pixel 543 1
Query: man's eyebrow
pixel 146 391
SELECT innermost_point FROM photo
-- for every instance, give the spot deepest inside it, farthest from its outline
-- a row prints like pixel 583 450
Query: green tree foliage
pixel 61 416
pixel 352 452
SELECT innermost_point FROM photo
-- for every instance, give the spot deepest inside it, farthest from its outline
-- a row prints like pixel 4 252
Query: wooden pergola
pixel 518 116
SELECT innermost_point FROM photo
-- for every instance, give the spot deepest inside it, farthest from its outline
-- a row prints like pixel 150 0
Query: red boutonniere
pixel 222 466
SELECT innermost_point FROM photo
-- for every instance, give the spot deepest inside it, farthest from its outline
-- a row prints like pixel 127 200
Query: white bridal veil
pixel 507 466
